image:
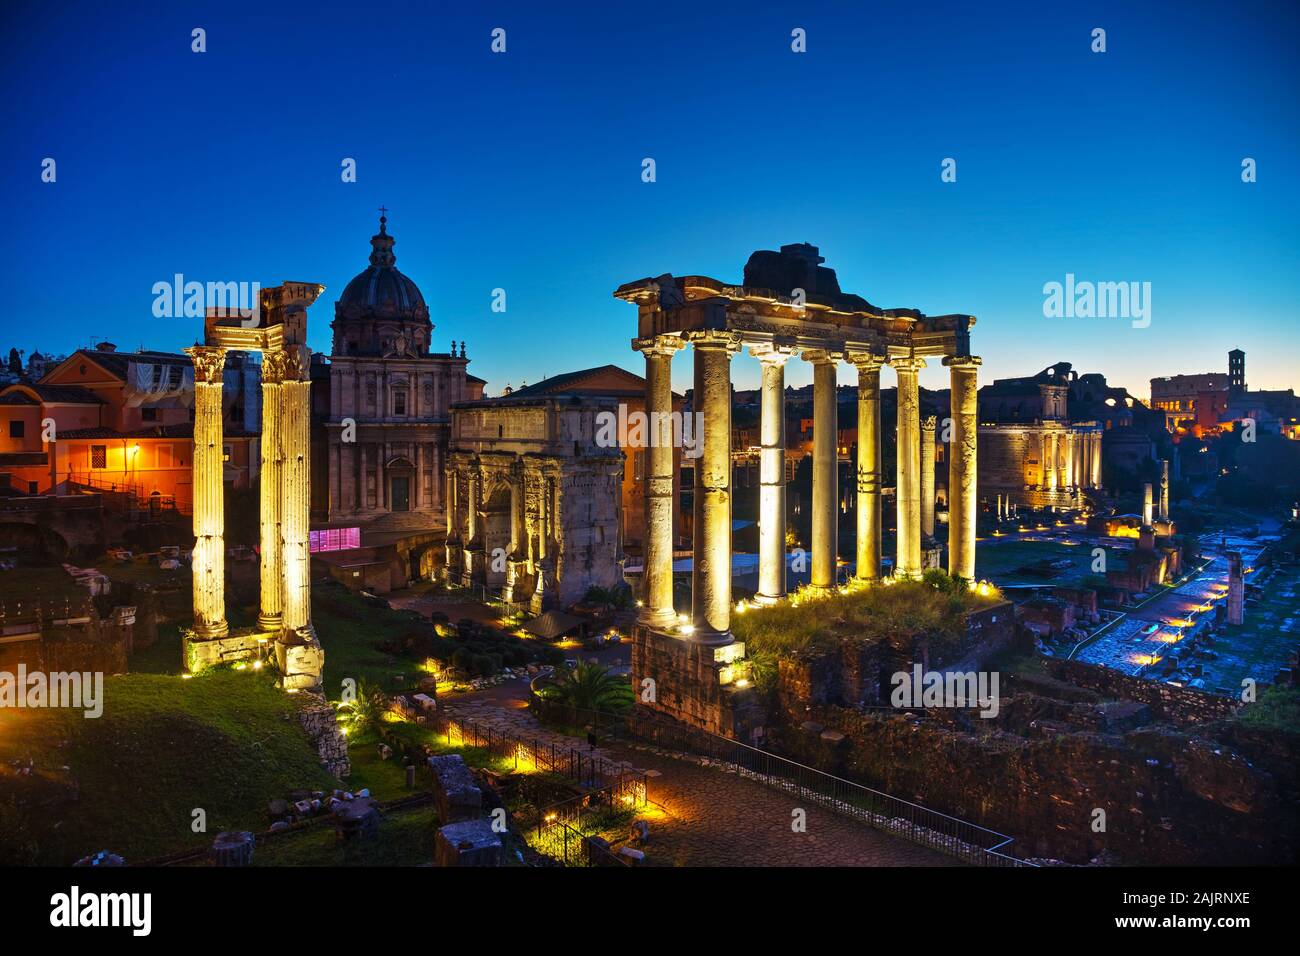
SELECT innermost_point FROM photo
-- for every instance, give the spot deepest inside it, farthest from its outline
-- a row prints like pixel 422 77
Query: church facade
pixel 390 397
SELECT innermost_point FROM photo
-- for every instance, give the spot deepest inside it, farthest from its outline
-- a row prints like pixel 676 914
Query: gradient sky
pixel 523 170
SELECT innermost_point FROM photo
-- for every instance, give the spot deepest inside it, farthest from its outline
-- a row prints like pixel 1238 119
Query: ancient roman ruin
pixel 788 305
pixel 279 333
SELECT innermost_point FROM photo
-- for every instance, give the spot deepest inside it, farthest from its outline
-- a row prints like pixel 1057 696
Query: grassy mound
pixel 936 607
pixel 225 742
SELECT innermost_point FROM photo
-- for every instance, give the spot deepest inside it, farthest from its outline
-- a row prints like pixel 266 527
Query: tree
pixel 16 361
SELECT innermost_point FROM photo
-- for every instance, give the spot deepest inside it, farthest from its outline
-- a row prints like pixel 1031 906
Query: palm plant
pixel 592 689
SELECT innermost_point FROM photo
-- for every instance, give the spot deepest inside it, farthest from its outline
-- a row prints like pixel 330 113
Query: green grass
pixel 226 742
pixel 866 614
pixel 1278 708
pixel 405 838
pixel 349 630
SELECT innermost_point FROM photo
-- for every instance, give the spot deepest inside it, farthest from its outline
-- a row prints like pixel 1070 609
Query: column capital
pixel 865 361
pixel 821 356
pixel 771 354
pixel 209 362
pixel 659 344
pixel 297 363
pixel 716 339
pixel 273 363
pixel 907 363
pixel 963 362
pixel 929 424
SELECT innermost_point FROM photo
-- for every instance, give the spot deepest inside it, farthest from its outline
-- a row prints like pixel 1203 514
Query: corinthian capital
pixel 273 363
pixel 297 363
pixel 209 362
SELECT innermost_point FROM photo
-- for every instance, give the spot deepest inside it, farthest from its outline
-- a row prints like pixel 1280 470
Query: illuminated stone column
pixel 1085 460
pixel 271 616
pixel 657 546
pixel 771 492
pixel 1164 490
pixel 208 561
pixel 907 564
pixel 711 578
pixel 1146 505
pixel 962 465
pixel 928 425
pixel 1097 447
pixel 295 500
pixel 515 560
pixel 870 524
pixel 825 498
pixel 1069 459
pixel 1049 442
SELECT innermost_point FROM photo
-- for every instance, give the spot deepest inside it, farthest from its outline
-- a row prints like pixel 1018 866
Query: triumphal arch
pixel 788 305
pixel 284 633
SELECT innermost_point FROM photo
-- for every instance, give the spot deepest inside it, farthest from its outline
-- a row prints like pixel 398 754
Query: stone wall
pixel 321 724
pixel 688 685
pixel 1178 705
pixel 1170 797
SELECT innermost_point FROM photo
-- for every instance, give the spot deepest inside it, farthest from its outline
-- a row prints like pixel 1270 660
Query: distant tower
pixel 1236 372
pixel 1236 589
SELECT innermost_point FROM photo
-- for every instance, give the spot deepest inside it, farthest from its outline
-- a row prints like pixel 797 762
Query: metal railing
pixel 962 839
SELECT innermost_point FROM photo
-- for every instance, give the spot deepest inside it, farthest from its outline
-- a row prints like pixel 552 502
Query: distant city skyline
pixel 513 171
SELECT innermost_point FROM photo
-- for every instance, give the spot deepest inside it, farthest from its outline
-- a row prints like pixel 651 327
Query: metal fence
pixel 534 755
pixel 966 841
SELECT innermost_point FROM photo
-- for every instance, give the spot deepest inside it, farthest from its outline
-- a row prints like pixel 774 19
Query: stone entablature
pixel 534 503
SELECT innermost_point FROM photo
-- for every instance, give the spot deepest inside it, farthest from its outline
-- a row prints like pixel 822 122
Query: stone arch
pixel 37 541
pixel 494 517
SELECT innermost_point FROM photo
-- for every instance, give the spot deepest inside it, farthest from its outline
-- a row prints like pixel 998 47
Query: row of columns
pixel 1071 459
pixel 284 493
pixel 711 580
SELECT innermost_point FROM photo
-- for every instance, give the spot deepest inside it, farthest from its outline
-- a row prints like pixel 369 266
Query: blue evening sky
pixel 523 170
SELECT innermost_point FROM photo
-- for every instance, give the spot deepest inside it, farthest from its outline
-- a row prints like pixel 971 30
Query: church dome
pixel 382 289
pixel 381 307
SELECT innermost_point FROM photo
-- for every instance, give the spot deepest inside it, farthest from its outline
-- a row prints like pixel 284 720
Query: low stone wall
pixel 1169 797
pixel 1177 705
pixel 321 724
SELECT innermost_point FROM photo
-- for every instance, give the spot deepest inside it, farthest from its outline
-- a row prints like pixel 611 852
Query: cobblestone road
pixel 709 817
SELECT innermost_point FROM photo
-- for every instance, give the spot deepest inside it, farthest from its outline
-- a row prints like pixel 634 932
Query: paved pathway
pixel 708 817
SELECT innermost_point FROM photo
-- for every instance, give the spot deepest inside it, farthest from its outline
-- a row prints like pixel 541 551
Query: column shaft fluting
pixel 825 496
pixel 711 577
pixel 908 456
pixel 271 614
pixel 208 561
pixel 868 467
pixel 962 465
pixel 296 495
pixel 657 542
pixel 928 425
pixel 771 492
